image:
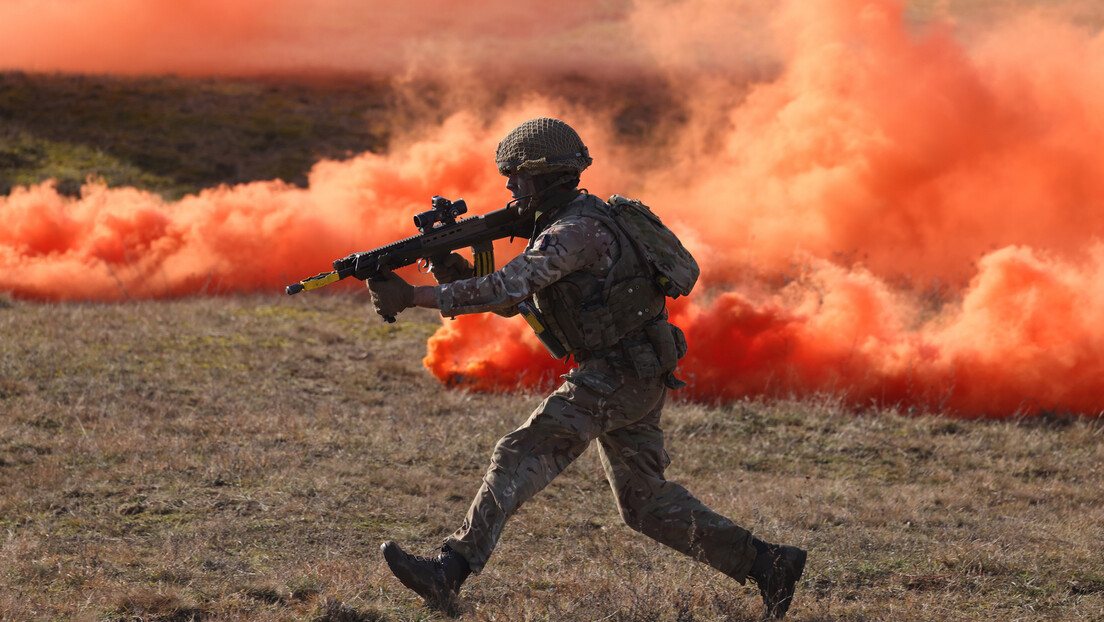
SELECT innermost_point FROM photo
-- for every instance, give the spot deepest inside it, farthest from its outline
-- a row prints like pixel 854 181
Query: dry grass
pixel 243 458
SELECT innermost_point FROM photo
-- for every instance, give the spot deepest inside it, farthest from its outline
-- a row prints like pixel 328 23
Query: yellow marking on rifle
pixel 321 280
pixel 484 263
pixel 534 323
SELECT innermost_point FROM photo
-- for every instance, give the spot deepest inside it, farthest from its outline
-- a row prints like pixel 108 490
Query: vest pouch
pixel 663 340
pixel 680 341
pixel 644 361
pixel 633 302
pixel 680 351
pixel 597 329
pixel 594 380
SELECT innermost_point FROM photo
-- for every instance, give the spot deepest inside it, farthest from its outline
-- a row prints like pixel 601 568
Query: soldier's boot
pixel 776 571
pixel 436 579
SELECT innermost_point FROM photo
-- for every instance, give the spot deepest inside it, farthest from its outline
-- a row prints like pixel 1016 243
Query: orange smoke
pixel 970 176
pixel 1024 339
pixel 885 209
pixel 248 37
pixel 116 244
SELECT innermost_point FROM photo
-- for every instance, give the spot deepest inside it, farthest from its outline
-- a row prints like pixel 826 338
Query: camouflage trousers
pixel 622 412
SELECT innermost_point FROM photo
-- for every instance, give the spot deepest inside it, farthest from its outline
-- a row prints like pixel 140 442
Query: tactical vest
pixel 621 313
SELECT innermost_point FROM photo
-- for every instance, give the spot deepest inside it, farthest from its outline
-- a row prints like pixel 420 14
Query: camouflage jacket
pixel 562 247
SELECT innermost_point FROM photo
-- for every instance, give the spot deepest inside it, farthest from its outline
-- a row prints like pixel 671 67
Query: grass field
pixel 176 136
pixel 243 458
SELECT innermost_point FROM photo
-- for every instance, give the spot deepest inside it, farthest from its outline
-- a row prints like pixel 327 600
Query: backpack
pixel 673 267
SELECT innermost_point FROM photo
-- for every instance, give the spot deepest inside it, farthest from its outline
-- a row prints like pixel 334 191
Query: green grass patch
pixel 174 136
pixel 26 160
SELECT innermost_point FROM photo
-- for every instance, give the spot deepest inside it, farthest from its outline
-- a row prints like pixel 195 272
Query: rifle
pixel 440 234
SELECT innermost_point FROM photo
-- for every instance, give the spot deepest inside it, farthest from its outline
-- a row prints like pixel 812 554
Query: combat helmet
pixel 541 146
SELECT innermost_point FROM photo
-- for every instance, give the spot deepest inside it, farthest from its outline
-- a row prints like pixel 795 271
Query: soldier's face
pixel 521 186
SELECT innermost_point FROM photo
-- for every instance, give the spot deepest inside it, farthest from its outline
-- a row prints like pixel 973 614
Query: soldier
pixel 574 272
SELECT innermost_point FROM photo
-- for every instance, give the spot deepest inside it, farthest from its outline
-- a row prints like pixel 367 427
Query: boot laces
pixel 436 560
pixel 419 559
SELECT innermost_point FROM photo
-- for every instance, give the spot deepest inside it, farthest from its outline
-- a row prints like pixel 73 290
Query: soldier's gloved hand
pixel 452 268
pixel 390 294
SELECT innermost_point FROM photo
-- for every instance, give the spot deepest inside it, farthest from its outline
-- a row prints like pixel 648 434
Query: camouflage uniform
pixel 608 397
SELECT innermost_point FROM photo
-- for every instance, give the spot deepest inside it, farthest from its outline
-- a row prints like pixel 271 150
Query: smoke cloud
pixel 890 207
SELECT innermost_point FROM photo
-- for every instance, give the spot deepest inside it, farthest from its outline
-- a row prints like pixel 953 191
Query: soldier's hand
pixel 390 294
pixel 452 268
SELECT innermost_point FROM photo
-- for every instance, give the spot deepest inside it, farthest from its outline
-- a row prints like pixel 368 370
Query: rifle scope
pixel 444 211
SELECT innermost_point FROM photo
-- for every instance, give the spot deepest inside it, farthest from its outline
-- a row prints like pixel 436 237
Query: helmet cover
pixel 541 146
